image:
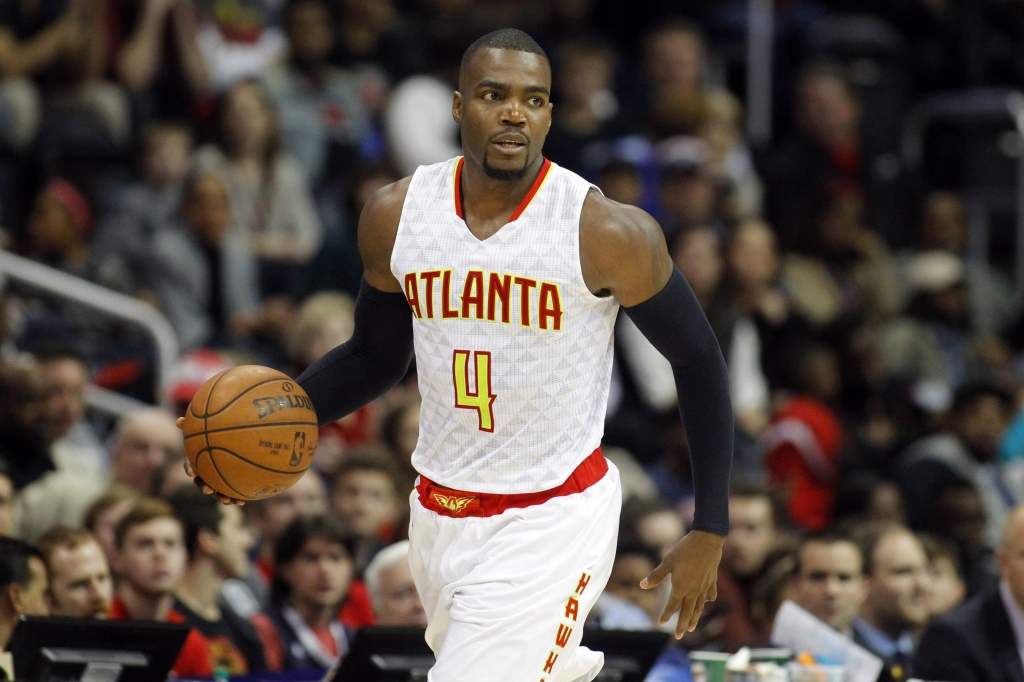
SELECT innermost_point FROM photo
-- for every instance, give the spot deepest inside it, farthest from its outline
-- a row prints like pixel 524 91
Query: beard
pixel 505 175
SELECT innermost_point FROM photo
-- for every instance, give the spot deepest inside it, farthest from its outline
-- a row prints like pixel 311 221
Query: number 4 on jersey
pixel 481 399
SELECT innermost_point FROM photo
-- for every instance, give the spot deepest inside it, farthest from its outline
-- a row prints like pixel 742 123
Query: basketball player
pixel 505 273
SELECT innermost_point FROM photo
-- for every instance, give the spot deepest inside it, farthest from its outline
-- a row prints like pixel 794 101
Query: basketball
pixel 250 432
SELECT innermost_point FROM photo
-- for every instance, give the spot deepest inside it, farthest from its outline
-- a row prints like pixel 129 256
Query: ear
pixel 457 107
pixel 208 542
pixel 14 594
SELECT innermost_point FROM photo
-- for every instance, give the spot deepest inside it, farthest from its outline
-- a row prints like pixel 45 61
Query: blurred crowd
pixel 211 158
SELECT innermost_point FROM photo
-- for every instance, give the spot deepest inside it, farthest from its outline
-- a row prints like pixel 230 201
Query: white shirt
pixel 1016 615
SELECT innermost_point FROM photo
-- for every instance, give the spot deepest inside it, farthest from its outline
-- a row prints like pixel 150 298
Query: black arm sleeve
pixel 674 323
pixel 367 365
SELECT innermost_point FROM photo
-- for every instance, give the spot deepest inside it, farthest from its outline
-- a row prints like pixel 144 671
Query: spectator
pixel 217 540
pixel 74 445
pixel 729 160
pixel 23 423
pixel 143 443
pixel 828 156
pixel 755 547
pixel 241 42
pixel 151 559
pixel 944 228
pixel 935 341
pixel 124 236
pixel 159 60
pixel 192 371
pixel 59 227
pixel 204 276
pixel 22 592
pixel 624 605
pixel 80 582
pixel 314 569
pixel 654 523
pixel 896 607
pixel 676 67
pixel 323 119
pixel 102 517
pixel 851 276
pixel 948 587
pixel 60 46
pixel 268 192
pixel 966 450
pixel 374 35
pixel 7 505
pixel 689 196
pixel 828 580
pixel 364 496
pixel 588 109
pixel 391 588
pixel 959 515
pixel 978 641
pixel 270 518
pixel 804 441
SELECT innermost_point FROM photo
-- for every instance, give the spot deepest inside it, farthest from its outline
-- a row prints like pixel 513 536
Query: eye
pixel 491 96
pixel 536 101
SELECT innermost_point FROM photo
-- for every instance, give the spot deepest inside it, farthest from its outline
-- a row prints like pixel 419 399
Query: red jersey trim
pixel 537 182
pixel 459 503
pixel 534 188
pixel 458 187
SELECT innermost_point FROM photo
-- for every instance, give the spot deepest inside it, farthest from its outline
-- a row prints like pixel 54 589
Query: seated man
pixel 392 590
pixel 22 592
pixel 364 495
pixel 829 579
pixel 217 540
pixel 151 560
pixel 896 606
pixel 80 582
pixel 979 641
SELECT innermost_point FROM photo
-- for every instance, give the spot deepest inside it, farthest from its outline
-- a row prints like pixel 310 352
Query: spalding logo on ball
pixel 250 432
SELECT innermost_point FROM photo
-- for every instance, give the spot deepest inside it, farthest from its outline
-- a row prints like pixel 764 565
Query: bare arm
pixel 28 57
pixel 193 64
pixel 137 62
pixel 623 254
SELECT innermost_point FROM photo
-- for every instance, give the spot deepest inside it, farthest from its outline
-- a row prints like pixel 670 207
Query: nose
pixel 512 114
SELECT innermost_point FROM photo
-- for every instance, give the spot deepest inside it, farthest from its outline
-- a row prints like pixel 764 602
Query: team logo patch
pixel 456 505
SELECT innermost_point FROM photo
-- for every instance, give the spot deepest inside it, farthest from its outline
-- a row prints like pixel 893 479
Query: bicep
pixel 622 251
pixel 378 228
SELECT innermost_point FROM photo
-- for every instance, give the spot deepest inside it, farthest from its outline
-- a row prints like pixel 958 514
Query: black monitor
pixel 400 654
pixel 86 650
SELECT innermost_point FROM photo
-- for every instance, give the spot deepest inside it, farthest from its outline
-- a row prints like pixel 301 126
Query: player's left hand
pixel 693 566
pixel 200 483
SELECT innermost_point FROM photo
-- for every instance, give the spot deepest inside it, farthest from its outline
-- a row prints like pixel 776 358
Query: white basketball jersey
pixel 513 352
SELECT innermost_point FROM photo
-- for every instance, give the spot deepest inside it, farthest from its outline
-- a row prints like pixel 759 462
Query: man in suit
pixel 982 640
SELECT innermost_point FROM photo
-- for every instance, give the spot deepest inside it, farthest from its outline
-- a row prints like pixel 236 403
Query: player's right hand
pixel 200 483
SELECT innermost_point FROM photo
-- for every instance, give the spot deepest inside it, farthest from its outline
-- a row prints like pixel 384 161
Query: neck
pixel 892 630
pixel 487 198
pixel 314 615
pixel 200 588
pixel 8 621
pixel 144 606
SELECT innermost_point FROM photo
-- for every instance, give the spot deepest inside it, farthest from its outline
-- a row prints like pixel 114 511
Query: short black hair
pixel 196 511
pixel 829 536
pixel 972 391
pixel 14 556
pixel 502 39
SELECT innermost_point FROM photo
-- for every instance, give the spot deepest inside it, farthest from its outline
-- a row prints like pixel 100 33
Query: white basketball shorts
pixel 507 588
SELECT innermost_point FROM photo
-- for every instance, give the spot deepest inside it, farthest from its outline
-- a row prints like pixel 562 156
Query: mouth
pixel 510 144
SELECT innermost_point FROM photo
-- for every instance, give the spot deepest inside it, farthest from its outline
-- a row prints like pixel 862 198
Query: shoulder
pixel 384 209
pixel 622 250
pixel 610 222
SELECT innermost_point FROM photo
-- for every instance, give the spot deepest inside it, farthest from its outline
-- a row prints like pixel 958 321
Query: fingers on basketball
pixel 250 433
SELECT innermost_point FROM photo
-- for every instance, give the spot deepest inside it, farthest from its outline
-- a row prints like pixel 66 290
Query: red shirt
pixel 194 659
pixel 357 610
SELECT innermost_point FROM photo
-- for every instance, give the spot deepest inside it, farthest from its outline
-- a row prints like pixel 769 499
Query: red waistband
pixel 459 503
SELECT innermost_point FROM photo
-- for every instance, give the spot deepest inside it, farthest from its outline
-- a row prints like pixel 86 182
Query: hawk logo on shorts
pixel 453 504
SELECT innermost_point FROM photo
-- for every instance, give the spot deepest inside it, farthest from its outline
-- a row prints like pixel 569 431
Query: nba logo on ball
pixel 250 432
